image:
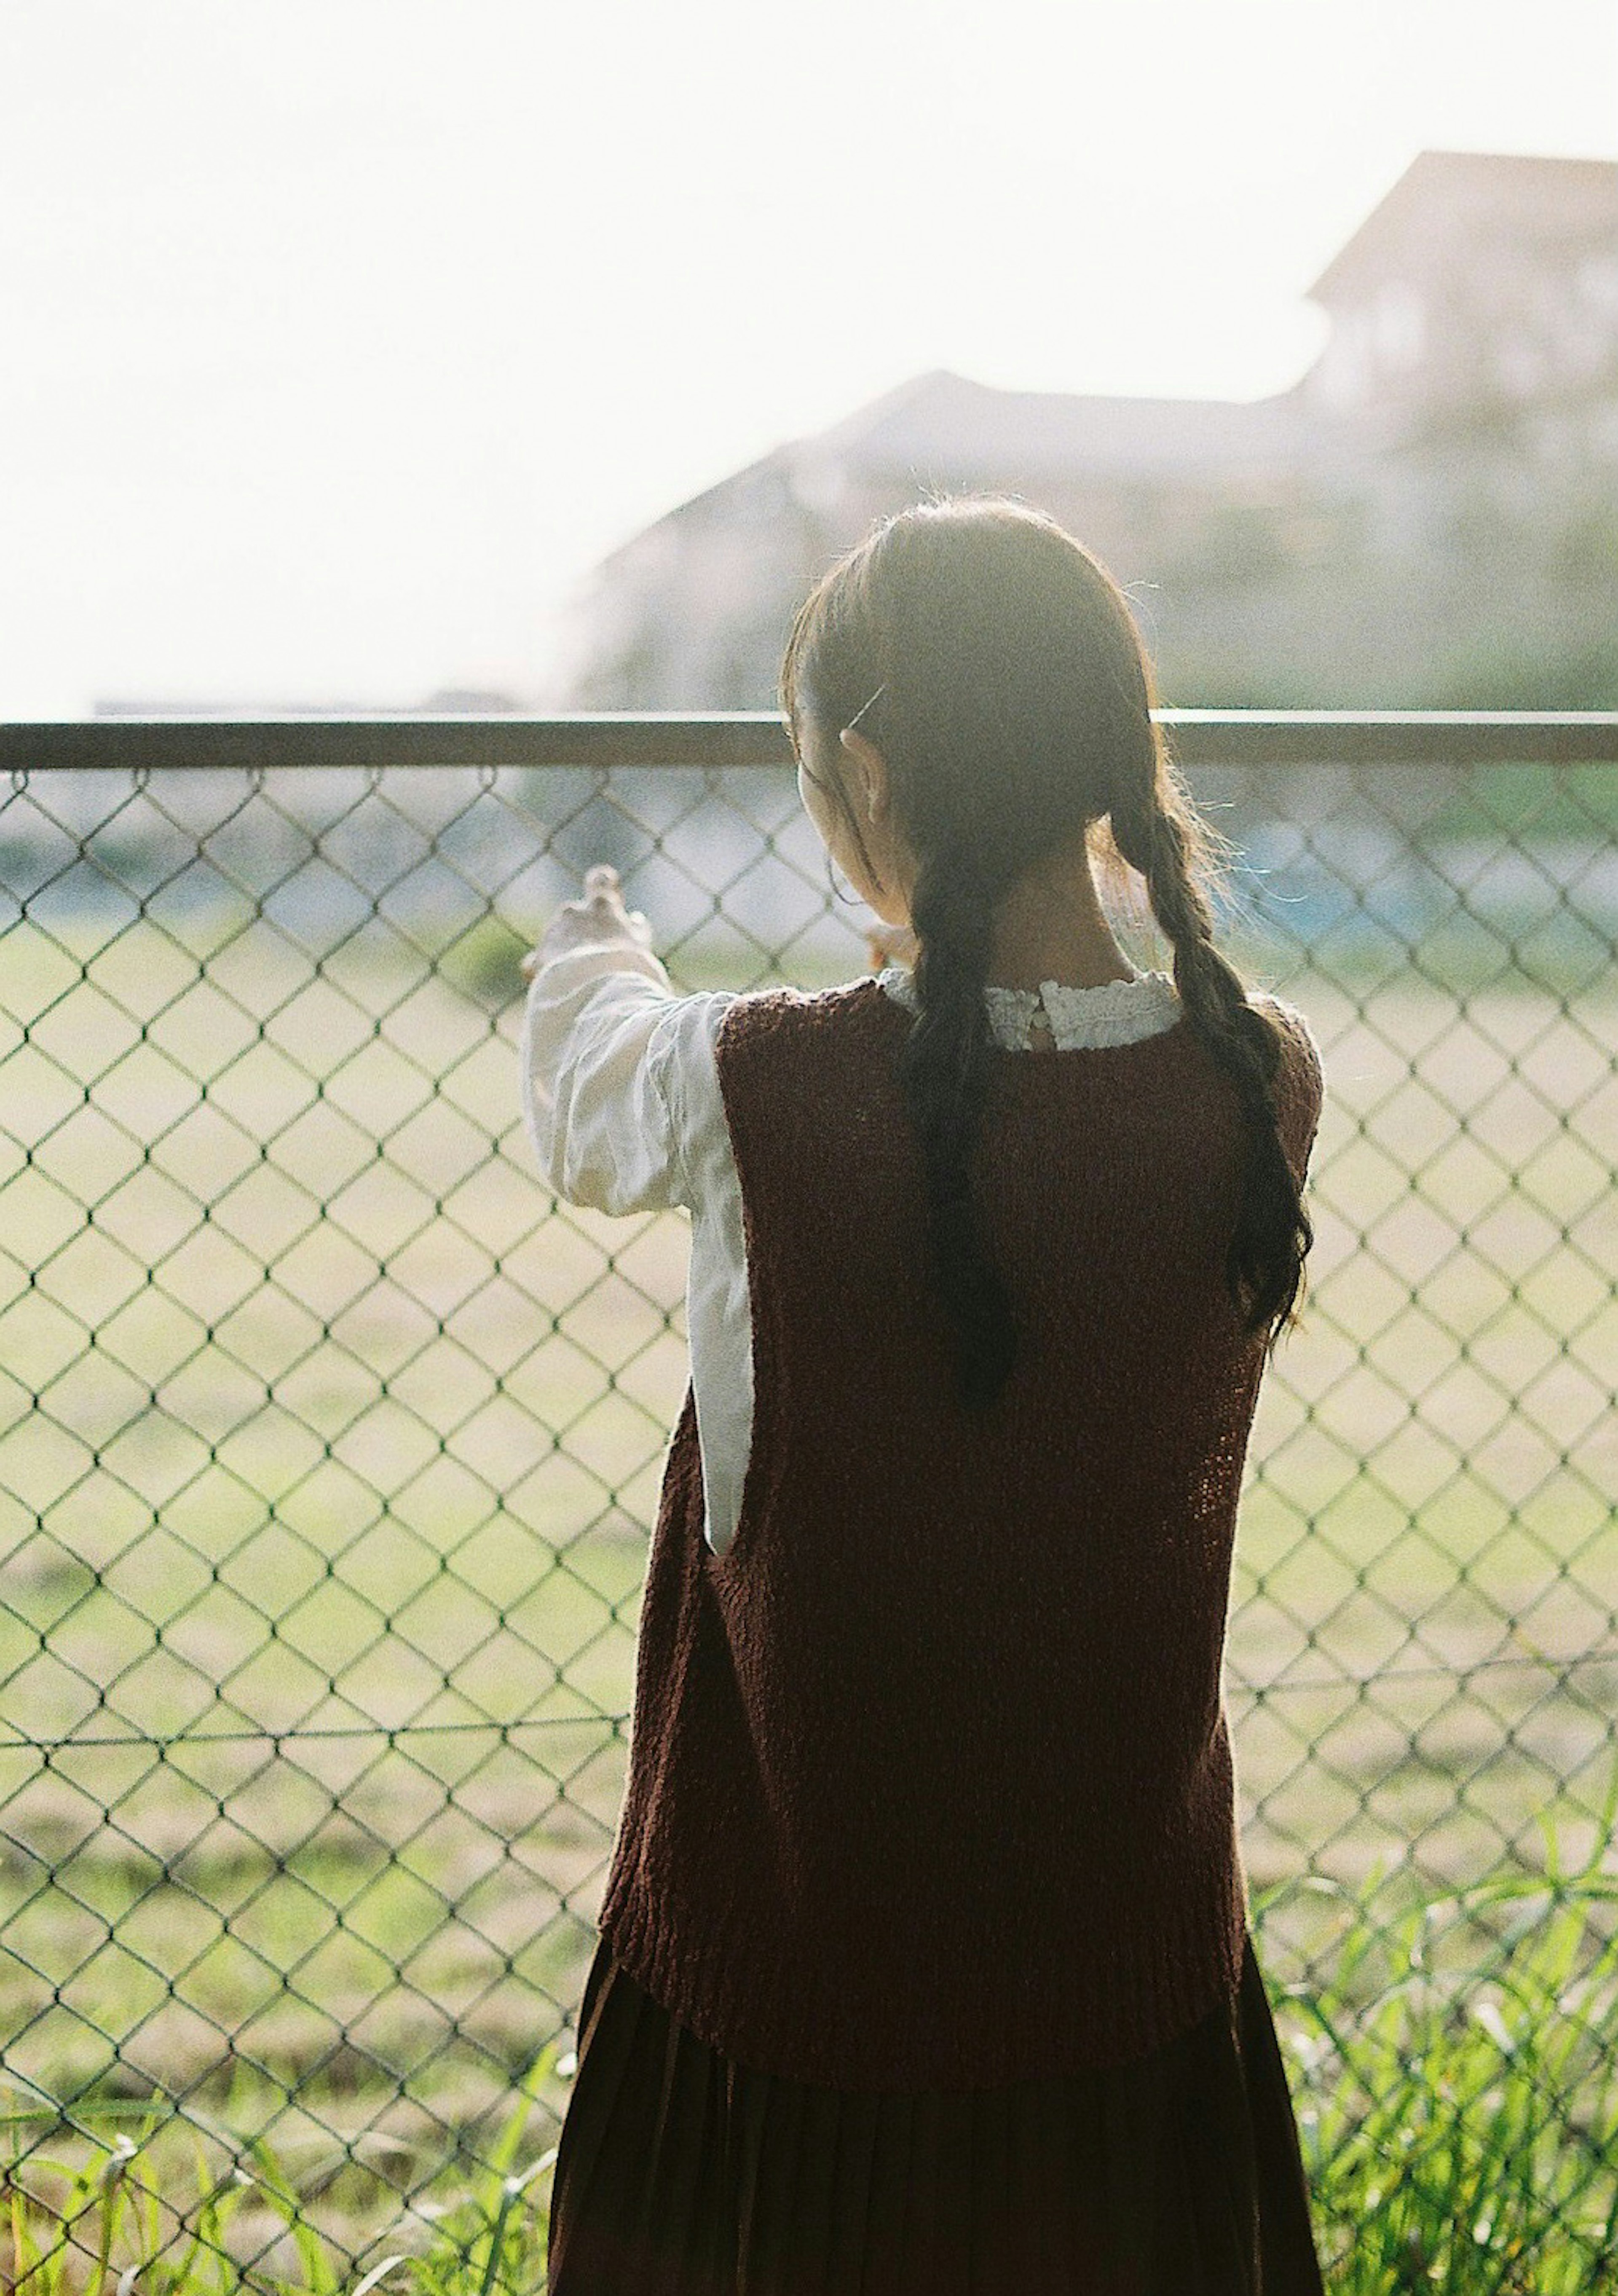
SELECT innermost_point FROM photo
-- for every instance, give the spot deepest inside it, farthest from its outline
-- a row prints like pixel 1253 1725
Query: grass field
pixel 1456 2134
pixel 328 1446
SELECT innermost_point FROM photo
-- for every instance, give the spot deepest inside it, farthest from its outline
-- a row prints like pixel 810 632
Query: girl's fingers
pixel 602 888
pixel 597 918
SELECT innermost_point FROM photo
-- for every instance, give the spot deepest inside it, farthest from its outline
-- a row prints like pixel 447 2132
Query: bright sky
pixel 343 336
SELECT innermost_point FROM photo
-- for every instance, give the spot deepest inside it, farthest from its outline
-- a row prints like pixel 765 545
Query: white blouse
pixel 620 1096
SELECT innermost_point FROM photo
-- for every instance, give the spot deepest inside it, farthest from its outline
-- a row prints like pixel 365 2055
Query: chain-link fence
pixel 329 1444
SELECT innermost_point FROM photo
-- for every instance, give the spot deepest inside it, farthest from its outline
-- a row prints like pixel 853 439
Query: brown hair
pixel 1013 708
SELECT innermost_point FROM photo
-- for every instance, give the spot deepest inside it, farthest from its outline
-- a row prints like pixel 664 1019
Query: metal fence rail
pixel 329 1444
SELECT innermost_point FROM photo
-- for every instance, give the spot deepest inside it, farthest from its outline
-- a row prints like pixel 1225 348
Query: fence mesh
pixel 330 1443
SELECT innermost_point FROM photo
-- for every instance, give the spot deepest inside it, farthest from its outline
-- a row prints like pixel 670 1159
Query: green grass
pixel 1455 2084
pixel 107 2210
pixel 1457 2089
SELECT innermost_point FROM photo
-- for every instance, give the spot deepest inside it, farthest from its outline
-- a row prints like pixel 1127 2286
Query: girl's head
pixel 994 666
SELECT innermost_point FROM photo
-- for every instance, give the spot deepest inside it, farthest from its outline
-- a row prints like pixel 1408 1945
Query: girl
pixel 924 1961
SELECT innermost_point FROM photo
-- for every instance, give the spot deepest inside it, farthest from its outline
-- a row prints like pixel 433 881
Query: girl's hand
pixel 891 945
pixel 599 921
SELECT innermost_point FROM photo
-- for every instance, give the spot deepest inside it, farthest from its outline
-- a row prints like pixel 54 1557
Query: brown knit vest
pixel 930 1781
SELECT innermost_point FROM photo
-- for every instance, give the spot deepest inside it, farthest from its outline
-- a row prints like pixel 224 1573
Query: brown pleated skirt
pixel 680 2174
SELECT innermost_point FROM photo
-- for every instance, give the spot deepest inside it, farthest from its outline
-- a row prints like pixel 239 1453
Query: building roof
pixel 942 428
pixel 1481 193
pixel 942 425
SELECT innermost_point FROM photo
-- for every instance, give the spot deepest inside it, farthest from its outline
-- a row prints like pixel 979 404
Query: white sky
pixel 341 337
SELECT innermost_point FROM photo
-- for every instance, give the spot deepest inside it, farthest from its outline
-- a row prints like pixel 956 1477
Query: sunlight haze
pixel 343 338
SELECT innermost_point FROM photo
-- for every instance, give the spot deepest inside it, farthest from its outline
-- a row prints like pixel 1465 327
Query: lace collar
pixel 1118 1012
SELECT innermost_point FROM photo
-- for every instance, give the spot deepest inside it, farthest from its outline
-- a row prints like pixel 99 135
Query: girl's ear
pixel 873 769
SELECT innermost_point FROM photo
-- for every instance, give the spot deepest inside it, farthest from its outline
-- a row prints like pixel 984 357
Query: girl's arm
pixel 601 1034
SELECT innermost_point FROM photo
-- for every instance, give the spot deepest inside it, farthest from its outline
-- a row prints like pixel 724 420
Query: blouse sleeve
pixel 594 1088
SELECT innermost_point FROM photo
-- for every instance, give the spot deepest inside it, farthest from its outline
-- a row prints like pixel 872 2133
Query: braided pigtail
pixel 1157 832
pixel 993 668
pixel 944 1076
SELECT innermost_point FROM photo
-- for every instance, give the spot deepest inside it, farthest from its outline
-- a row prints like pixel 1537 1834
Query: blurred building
pixel 1428 518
